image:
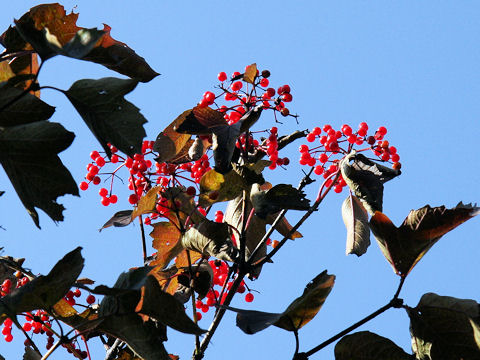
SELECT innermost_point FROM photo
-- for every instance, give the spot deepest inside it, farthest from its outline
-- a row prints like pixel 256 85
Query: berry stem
pixel 30 341
pixel 144 243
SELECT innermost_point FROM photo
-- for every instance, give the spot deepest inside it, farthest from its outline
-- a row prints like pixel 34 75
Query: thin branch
pixel 397 293
pixel 111 352
pixel 144 243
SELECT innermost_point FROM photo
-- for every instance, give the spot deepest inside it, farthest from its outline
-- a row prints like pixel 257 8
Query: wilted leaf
pixel 27 109
pixel 110 117
pixel 355 218
pixel 146 204
pixel 201 278
pixel 279 197
pixel 224 140
pixel 28 153
pixel 299 312
pixel 252 173
pixel 183 204
pixel 366 178
pixel 405 246
pixel 44 291
pixel 210 238
pixel 365 345
pixel 199 121
pixel 166 240
pixel 170 143
pixel 119 219
pixel 217 187
pixel 445 328
pixel 250 74
pixel 163 307
pixel 51 31
pixel 121 320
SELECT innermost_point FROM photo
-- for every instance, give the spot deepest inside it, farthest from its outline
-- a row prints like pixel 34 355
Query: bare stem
pixel 144 244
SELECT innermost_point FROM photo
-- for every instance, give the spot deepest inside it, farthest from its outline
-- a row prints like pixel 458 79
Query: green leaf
pixel 216 187
pixel 404 246
pixel 445 328
pixel 366 178
pixel 210 238
pixel 27 109
pixel 44 291
pixel 164 308
pixel 365 345
pixel 28 153
pixel 110 117
pixel 298 313
pixel 355 218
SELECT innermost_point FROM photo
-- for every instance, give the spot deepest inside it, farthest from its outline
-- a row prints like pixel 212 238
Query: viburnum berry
pixel 133 199
pixel 90 299
pixel 83 186
pixel 222 76
pixel 249 297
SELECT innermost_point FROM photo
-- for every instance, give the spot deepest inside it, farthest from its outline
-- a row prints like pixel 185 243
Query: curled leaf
pixel 404 246
pixel 169 142
pixel 119 219
pixel 250 73
pixel 355 218
pixel 366 178
pixel 146 204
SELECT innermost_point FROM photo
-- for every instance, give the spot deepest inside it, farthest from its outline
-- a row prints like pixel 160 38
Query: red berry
pixel 90 299
pixel 318 169
pixel 303 148
pixel 83 185
pixel 323 158
pixel 199 316
pixel 222 76
pixel 264 82
pixel 8 337
pixel 270 92
pixel 311 137
pixel 191 191
pixel 285 112
pixel 96 180
pixel 113 199
pixel 287 97
pixel 249 297
pixel 133 199
pixel 100 161
pixel 103 192
pixel 94 154
pixel 105 201
pixel 382 130
pixel 237 85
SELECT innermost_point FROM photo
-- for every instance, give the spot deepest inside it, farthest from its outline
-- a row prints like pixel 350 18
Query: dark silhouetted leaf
pixel 355 218
pixel 279 197
pixel 110 117
pixel 365 345
pixel 252 173
pixel 44 291
pixel 216 187
pixel 29 354
pixel 210 238
pixel 163 307
pixel 119 219
pixel 26 110
pixel 28 153
pixel 51 31
pixel 250 74
pixel 445 328
pixel 366 178
pixel 404 246
pixel 121 321
pixel 299 312
pixel 224 140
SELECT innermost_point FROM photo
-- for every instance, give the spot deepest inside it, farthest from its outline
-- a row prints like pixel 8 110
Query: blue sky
pixel 413 67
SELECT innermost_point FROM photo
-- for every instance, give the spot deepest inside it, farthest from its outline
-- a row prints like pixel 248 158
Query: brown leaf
pixel 170 143
pixel 250 74
pixel 146 204
pixel 404 246
pixel 166 240
pixel 199 121
pixel 355 218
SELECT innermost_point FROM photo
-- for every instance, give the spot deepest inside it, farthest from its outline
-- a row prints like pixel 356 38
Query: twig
pixel 144 244
pixel 113 349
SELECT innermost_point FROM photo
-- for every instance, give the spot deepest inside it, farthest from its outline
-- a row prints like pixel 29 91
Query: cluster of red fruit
pixel 330 142
pixel 257 90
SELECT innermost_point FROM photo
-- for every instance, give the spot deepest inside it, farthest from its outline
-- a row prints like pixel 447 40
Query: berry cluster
pixel 333 145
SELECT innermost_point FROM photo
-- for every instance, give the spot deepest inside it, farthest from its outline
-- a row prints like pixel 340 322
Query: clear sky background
pixel 413 67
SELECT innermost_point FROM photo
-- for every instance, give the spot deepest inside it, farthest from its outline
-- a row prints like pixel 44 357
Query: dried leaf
pixel 163 307
pixel 199 121
pixel 250 74
pixel 404 246
pixel 355 218
pixel 29 155
pixel 110 117
pixel 119 219
pixel 299 312
pixel 210 238
pixel 166 240
pixel 364 345
pixel 216 187
pixel 445 328
pixel 146 204
pixel 44 292
pixel 170 143
pixel 366 178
